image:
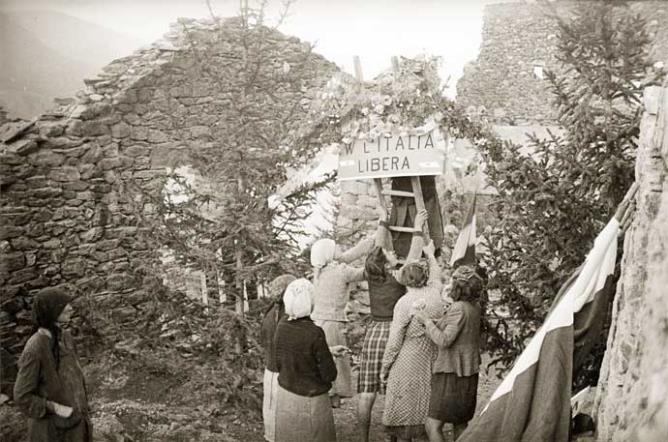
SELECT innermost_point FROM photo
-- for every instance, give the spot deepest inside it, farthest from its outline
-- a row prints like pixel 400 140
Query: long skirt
pixel 453 398
pixel 304 418
pixel 335 334
pixel 270 389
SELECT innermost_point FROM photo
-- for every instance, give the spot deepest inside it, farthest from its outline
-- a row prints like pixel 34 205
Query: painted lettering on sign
pixel 399 155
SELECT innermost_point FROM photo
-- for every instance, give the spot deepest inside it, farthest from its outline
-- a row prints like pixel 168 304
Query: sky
pixel 375 30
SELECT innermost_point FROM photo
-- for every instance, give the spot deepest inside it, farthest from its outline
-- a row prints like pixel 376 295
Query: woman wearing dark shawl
pixel 50 387
pixel 269 324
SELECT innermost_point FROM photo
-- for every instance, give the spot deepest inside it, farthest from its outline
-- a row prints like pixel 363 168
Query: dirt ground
pixel 137 406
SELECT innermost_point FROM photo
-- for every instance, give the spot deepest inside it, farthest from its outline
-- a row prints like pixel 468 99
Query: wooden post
pixel 419 201
pixel 222 296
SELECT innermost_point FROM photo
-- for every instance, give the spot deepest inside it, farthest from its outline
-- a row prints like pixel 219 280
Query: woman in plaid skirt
pixel 384 292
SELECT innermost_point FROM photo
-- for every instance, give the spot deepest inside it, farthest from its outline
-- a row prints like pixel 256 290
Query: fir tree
pixel 553 201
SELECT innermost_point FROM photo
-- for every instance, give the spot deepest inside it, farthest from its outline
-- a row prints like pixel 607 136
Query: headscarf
pixel 467 285
pixel 47 305
pixel 278 285
pixel 415 274
pixel 322 253
pixel 463 273
pixel 298 299
pixel 276 290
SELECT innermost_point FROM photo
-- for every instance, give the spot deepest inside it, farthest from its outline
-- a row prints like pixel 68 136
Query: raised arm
pixel 448 328
pixel 434 282
pixel 361 249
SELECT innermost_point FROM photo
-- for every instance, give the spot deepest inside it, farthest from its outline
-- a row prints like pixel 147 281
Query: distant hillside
pixel 48 54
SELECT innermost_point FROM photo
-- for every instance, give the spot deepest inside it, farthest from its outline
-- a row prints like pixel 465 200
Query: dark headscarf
pixel 467 285
pixel 47 305
pixel 276 290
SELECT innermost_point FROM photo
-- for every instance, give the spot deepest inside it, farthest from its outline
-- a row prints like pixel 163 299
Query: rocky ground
pixel 144 405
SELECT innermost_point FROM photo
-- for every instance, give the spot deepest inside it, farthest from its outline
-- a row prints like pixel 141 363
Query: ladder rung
pixel 402 229
pixel 399 193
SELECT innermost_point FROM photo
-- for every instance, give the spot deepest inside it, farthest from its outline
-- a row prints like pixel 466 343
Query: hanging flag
pixel 533 401
pixel 464 251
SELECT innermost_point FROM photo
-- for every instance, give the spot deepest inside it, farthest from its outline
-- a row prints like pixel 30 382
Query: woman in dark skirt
pixel 454 382
pixel 306 370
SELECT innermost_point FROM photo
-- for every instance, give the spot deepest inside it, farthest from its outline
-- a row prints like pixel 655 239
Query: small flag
pixel 464 251
pixel 533 401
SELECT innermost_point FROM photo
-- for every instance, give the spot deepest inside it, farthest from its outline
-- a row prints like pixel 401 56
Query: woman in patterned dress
pixel 409 354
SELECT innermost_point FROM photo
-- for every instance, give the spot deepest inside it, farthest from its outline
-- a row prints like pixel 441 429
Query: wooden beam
pixel 419 200
pixel 401 229
pixel 403 193
pixel 358 69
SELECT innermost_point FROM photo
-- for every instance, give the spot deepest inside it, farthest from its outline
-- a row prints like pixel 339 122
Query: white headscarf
pixel 322 253
pixel 298 299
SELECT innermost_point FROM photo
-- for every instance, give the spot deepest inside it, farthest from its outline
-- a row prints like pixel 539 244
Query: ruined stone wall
pixel 67 208
pixel 518 38
pixel 632 402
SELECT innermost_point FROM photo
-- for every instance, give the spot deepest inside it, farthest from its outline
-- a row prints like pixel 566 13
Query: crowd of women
pixel 421 349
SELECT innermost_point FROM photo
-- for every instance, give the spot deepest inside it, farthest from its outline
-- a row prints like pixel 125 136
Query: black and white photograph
pixel 333 221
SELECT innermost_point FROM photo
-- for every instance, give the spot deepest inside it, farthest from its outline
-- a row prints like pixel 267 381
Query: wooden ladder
pixel 415 180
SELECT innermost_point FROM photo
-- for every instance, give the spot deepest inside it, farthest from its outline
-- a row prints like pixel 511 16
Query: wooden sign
pixel 394 156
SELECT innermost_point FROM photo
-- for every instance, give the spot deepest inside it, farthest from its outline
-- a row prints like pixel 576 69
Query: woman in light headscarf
pixel 269 324
pixel 306 370
pixel 331 278
pixel 50 387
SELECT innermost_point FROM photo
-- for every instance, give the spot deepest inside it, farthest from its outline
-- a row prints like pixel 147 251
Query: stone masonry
pixel 518 41
pixel 633 388
pixel 66 213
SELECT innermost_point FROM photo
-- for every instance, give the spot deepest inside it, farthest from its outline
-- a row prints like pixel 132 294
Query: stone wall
pixel 632 401
pixel 67 211
pixel 518 39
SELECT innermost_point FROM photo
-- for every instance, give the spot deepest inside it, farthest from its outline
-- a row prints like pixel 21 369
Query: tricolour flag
pixel 532 403
pixel 464 251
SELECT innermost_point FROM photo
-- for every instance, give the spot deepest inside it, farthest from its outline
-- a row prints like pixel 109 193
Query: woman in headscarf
pixel 382 275
pixel 306 370
pixel 331 278
pixel 270 385
pixel 409 354
pixel 50 387
pixel 454 384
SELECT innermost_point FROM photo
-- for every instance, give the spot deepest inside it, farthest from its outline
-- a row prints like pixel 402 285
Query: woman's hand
pixel 59 409
pixel 382 213
pixel 420 220
pixel 384 374
pixel 339 350
pixel 421 317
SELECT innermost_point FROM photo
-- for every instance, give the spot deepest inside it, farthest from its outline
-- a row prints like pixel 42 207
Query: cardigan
pixel 305 364
pixel 457 335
